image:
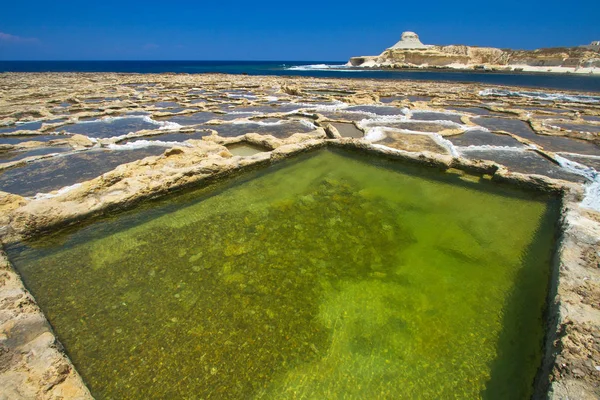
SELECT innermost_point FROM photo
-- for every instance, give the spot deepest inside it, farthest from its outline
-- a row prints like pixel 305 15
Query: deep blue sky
pixel 279 30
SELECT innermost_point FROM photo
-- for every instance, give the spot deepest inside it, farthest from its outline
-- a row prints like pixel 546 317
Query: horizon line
pixel 176 60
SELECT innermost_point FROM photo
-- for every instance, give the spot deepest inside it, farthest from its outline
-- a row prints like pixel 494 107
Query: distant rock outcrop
pixel 409 52
pixel 409 40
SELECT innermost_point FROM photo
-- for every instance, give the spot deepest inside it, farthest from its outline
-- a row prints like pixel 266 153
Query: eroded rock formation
pixel 410 52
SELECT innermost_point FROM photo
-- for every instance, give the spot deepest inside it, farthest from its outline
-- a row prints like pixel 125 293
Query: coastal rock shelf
pixel 102 143
pixel 312 276
pixel 409 52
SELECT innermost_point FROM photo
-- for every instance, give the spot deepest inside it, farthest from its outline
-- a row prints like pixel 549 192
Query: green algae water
pixel 329 276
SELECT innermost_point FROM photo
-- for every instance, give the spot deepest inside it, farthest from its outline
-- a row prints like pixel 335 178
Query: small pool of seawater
pixel 50 174
pixel 435 116
pixel 331 275
pixel 279 130
pixel 245 149
pixel 11 156
pixel 169 137
pixel 18 139
pixel 348 130
pixel 111 127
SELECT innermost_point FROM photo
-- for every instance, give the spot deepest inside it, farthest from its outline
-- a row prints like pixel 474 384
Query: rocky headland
pixel 409 52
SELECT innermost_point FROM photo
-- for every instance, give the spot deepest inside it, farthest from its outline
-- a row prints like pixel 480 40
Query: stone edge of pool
pixel 34 365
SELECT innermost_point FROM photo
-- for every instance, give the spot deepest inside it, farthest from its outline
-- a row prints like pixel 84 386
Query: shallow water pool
pixel 245 149
pixel 111 127
pixel 332 275
pixel 50 174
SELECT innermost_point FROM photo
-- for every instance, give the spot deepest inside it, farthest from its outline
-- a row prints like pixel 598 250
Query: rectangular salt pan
pixel 331 276
pixel 52 174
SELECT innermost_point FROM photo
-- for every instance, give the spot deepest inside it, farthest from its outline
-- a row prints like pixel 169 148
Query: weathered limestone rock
pixel 80 141
pixel 410 52
pixel 409 40
pixel 32 364
pixel 575 371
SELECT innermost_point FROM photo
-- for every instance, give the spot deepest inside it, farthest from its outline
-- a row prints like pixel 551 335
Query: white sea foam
pixel 168 125
pixel 58 192
pixel 592 195
pixel 446 112
pixel 244 113
pixel 404 110
pixel 314 108
pixel 577 168
pixel 141 144
pixel 110 119
pixel 261 123
pixel 272 99
pixel 322 67
pixel 375 134
pixel 407 111
pixel 241 96
pixel 299 113
pixel 390 119
pixel 591 198
pixel 131 135
pixel 337 105
pixel 350 112
pixel 274 123
pixel 541 96
pixel 444 122
pixel 163 125
pixel 313 66
pixel 445 143
pixel 379 119
pixel 307 123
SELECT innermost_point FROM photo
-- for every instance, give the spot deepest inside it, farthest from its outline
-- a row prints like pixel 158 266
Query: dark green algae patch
pixel 332 275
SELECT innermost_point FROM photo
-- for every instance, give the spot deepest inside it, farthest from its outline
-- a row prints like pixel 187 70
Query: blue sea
pixel 327 69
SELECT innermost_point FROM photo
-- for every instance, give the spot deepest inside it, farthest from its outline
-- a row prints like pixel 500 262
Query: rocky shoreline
pixel 34 364
pixel 478 68
pixel 409 53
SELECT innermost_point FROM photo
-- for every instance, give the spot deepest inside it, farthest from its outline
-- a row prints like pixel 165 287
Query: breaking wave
pixel 322 67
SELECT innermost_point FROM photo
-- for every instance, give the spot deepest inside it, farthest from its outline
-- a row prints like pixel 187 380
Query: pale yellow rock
pixel 415 54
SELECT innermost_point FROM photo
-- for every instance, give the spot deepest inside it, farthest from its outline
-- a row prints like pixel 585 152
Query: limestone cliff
pixel 410 52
